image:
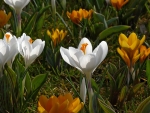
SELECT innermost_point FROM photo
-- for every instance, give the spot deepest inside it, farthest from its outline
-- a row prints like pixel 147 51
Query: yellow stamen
pixel 7 37
pixel 30 40
pixel 83 47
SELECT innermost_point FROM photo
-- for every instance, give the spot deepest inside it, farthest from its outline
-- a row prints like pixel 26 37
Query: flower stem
pixel 90 92
pixel 18 27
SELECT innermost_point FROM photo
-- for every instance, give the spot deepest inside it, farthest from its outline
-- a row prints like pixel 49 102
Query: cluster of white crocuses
pixel 85 60
pixel 10 46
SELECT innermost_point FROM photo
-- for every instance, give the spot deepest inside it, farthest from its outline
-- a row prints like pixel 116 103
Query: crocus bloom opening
pixel 83 58
pixel 57 36
pixel 12 42
pixel 62 104
pixel 4 18
pixel 30 51
pixel 77 16
pixel 118 3
pixel 18 5
pixel 144 53
pixel 130 48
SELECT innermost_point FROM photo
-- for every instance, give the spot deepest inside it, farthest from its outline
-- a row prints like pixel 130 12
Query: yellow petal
pixel 122 37
pixel 132 38
pixel 63 108
pixel 43 101
pixel 142 40
pixel 135 58
pixel 41 110
pixel 124 56
pixel 51 102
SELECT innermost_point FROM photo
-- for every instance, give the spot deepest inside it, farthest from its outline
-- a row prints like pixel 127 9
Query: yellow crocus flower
pixel 130 48
pixel 118 3
pixel 4 18
pixel 62 104
pixel 77 16
pixel 56 36
pixel 144 53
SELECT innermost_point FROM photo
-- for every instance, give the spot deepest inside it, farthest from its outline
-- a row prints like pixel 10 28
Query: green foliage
pixel 143 107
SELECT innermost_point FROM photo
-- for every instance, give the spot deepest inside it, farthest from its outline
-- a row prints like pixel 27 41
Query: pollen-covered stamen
pixel 83 47
pixel 7 37
pixel 30 41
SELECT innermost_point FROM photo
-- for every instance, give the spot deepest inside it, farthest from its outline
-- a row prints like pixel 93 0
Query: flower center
pixel 30 41
pixel 83 47
pixel 7 37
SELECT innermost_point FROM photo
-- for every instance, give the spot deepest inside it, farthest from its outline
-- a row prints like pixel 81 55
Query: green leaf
pixel 38 81
pixel 28 84
pixel 123 94
pixel 148 71
pixel 30 26
pixel 112 20
pixel 100 18
pixel 144 106
pixel 40 22
pixel 105 107
pixel 12 75
pixel 94 85
pixel 111 30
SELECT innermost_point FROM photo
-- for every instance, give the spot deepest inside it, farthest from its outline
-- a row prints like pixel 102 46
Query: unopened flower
pixel 56 36
pixel 130 48
pixel 144 53
pixel 83 58
pixel 83 90
pixel 118 3
pixel 77 16
pixel 62 104
pixel 30 49
pixel 18 5
pixel 4 18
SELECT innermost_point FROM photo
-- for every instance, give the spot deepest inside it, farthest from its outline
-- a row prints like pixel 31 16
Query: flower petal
pixel 88 49
pixel 67 58
pixel 88 63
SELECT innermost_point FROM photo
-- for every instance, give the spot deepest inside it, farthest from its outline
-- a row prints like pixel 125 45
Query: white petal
pixel 88 49
pixel 37 42
pixel 27 48
pixel 75 54
pixel 100 52
pixel 87 63
pixel 18 5
pixel 104 47
pixel 34 54
pixel 83 90
pixel 67 58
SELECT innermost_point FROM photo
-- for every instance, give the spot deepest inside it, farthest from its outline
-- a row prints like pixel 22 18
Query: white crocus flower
pixel 30 51
pixel 83 90
pixel 83 58
pixel 18 5
pixel 12 42
pixel 4 53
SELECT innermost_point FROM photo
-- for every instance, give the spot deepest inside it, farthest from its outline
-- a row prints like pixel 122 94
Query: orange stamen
pixel 30 40
pixel 83 47
pixel 7 37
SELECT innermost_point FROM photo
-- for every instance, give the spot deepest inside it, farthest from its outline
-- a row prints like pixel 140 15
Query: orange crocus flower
pixel 118 3
pixel 4 18
pixel 77 16
pixel 144 53
pixel 62 104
